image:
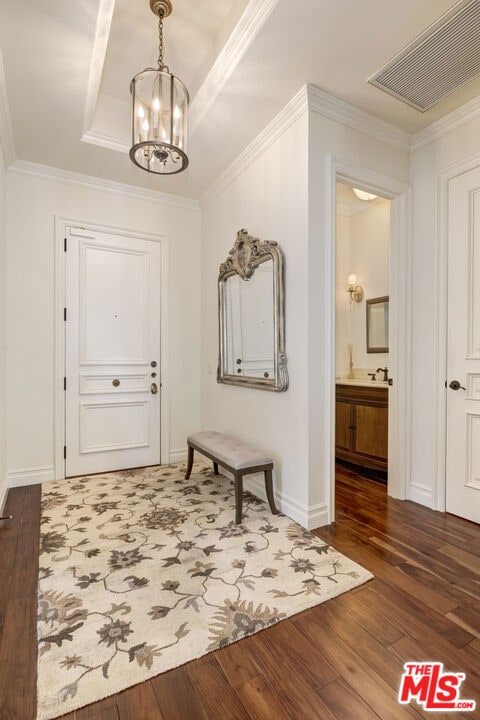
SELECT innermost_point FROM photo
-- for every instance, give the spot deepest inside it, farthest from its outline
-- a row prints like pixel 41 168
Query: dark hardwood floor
pixel 340 660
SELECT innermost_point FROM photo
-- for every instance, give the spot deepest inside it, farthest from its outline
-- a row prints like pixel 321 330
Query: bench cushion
pixel 229 450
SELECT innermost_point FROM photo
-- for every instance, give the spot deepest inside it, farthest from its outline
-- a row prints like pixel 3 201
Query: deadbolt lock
pixel 115 383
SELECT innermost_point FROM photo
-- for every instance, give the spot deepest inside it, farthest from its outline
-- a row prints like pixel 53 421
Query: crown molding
pixel 105 140
pixel 99 52
pixel 342 112
pixel 6 132
pixel 452 121
pixel 309 98
pixel 251 22
pixel 45 172
pixel 294 110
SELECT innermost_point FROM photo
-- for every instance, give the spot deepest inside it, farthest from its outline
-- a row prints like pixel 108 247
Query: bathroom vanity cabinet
pixel 362 425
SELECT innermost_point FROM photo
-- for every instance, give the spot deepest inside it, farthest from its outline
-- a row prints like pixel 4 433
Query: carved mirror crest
pixel 251 315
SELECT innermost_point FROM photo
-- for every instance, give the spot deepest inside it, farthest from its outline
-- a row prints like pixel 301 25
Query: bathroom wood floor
pixel 342 659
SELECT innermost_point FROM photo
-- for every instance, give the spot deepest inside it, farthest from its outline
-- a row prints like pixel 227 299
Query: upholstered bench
pixel 237 457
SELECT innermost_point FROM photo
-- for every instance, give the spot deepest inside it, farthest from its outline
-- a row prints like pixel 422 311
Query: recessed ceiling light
pixel 364 195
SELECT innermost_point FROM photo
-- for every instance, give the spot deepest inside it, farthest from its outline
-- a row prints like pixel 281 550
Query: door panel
pixel 112 295
pixel 370 435
pixel 112 337
pixel 113 426
pixel 343 423
pixel 463 348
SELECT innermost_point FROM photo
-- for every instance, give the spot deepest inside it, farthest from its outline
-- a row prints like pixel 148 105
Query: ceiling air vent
pixel 438 62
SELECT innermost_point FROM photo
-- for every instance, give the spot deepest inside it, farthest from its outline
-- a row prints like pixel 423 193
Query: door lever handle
pixel 154 388
pixel 455 385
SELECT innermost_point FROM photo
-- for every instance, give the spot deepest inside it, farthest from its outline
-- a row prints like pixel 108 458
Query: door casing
pixel 399 442
pixel 61 225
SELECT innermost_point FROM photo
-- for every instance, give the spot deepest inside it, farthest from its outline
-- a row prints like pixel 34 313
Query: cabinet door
pixel 371 434
pixel 343 423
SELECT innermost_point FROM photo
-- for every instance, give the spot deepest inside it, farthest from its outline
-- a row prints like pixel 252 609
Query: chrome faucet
pixel 385 373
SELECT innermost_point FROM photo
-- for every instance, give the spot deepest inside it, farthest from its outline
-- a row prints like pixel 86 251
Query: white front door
pixel 112 352
pixel 463 351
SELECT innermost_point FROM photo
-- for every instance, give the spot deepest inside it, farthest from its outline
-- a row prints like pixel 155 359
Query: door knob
pixel 455 385
pixel 154 388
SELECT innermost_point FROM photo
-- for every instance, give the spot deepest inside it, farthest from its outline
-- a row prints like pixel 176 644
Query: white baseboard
pixel 421 494
pixel 3 498
pixel 308 517
pixel 317 516
pixel 178 456
pixel 30 476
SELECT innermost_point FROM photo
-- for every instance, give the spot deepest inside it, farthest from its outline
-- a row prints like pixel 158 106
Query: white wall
pixel 363 248
pixel 269 199
pixel 285 194
pixel 33 203
pixel 428 389
pixel 3 424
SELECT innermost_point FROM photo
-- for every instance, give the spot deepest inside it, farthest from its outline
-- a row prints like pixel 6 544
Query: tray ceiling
pixel 68 67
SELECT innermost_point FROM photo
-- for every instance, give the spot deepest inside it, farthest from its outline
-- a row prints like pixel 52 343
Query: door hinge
pixel 64 452
pixel 64 383
pixel 65 314
pixel 65 245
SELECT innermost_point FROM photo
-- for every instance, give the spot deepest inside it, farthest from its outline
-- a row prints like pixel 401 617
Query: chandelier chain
pixel 161 64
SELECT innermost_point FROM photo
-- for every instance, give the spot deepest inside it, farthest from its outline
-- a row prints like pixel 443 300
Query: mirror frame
pixel 243 259
pixel 369 303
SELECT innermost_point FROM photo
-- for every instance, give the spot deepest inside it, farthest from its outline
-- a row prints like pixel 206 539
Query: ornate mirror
pixel 251 316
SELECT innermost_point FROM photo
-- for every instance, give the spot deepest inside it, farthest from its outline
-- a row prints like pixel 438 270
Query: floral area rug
pixel 141 571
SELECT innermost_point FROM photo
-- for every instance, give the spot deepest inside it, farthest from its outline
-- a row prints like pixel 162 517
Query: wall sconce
pixel 355 290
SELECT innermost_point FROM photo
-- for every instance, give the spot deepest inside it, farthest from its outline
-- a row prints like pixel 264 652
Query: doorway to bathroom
pixel 362 333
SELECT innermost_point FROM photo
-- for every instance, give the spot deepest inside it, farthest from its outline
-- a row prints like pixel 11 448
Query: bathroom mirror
pixel 377 325
pixel 251 316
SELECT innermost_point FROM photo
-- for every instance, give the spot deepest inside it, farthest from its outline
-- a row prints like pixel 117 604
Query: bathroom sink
pixel 364 382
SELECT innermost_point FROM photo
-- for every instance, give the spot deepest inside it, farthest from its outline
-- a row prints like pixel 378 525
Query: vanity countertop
pixel 362 382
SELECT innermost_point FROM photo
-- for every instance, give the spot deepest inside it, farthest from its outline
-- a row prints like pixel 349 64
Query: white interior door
pixel 112 352
pixel 463 351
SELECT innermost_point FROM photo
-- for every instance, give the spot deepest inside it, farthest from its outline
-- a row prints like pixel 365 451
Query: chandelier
pixel 159 112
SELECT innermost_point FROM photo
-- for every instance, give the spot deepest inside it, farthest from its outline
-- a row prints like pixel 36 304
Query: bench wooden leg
pixel 269 490
pixel 238 498
pixel 215 468
pixel 189 462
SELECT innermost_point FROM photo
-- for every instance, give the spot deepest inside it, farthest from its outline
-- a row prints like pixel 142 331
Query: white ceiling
pixel 68 66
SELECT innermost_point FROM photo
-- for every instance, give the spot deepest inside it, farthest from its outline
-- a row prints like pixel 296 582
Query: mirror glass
pixel 251 316
pixel 377 325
